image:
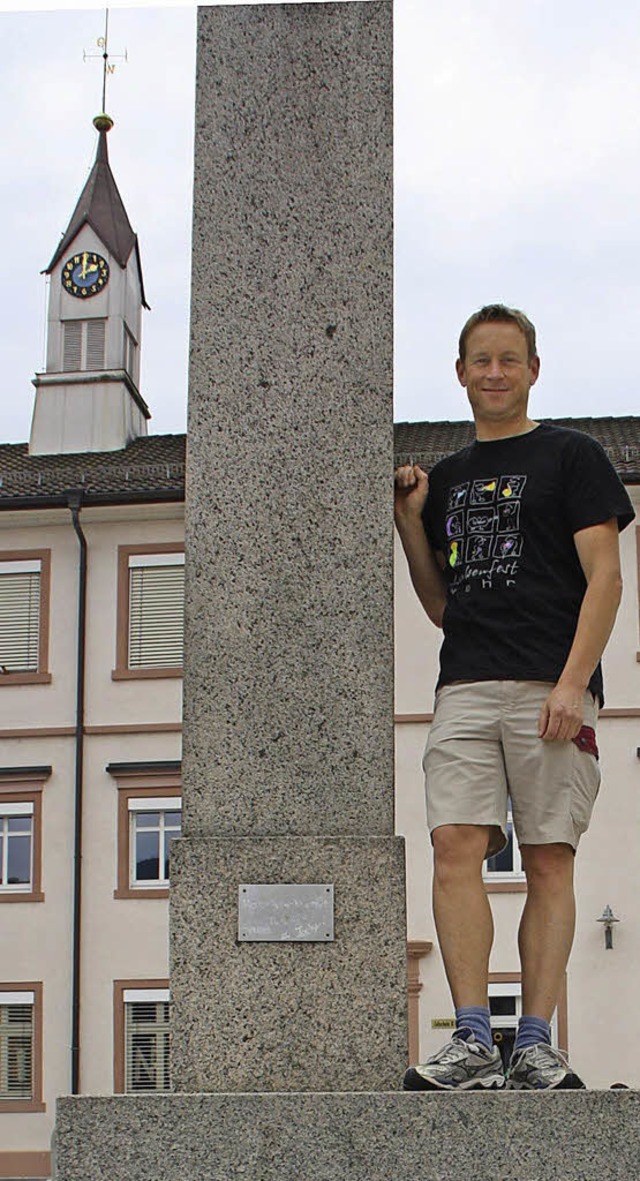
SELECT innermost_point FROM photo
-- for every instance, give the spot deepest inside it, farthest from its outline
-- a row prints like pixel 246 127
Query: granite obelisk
pixel 288 722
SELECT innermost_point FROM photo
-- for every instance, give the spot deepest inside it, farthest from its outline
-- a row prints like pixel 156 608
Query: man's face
pixel 497 373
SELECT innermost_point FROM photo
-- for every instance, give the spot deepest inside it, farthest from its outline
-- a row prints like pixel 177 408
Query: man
pixel 512 545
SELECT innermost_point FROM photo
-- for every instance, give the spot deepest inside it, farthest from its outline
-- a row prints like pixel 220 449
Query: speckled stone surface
pixel 558 1136
pixel 288 1016
pixel 288 669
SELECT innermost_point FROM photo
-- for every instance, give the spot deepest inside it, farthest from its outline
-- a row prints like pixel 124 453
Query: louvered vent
pixel 83 345
pixel 72 346
pixel 156 616
pixel 95 344
pixel 19 621
pixel 147 1046
pixel 16 1051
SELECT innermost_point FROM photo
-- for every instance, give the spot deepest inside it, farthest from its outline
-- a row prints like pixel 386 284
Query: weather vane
pixel 107 67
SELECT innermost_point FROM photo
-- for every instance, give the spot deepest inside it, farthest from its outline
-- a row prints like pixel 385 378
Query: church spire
pixel 101 207
pixel 88 398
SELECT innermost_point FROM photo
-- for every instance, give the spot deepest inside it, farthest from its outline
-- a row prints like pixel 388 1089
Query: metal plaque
pixel 285 913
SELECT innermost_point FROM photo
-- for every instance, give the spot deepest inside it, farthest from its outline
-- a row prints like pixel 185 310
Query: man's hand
pixel 562 714
pixel 411 488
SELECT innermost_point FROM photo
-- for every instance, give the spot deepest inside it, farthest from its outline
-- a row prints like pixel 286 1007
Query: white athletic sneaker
pixel 541 1068
pixel 463 1064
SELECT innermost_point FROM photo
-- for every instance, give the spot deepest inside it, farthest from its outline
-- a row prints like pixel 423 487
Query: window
pixel 16 1045
pixel 141 1038
pixel 146 1041
pixel 505 1007
pixel 150 626
pixel 83 344
pixel 24 616
pixel 21 833
pixel 20 1047
pixel 505 868
pixel 156 609
pixel 16 846
pixel 153 822
pixel 149 818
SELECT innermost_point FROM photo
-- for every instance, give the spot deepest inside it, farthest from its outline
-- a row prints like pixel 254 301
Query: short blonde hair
pixel 502 314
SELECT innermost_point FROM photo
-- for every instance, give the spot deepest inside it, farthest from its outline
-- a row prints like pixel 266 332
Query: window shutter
pixel 20 621
pixel 72 345
pixel 16 1051
pixel 147 1046
pixel 95 344
pixel 156 616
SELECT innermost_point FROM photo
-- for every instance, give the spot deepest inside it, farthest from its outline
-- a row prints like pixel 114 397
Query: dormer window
pixel 83 345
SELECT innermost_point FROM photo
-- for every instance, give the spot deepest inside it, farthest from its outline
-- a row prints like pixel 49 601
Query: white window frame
pixel 510 1021
pixel 147 996
pixel 8 810
pixel 507 1020
pixel 136 806
pixel 516 874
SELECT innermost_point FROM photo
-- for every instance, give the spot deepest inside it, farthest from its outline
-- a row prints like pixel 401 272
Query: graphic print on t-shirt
pixel 482 525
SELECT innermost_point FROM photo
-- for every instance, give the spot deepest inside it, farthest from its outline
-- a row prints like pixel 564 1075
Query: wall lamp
pixel 608 919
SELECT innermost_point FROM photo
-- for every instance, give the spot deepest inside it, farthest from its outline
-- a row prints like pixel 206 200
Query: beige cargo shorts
pixel 483 749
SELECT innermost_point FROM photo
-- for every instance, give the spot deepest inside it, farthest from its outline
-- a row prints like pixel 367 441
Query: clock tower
pixel 88 398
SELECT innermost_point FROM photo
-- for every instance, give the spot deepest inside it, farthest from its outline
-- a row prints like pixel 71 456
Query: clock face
pixel 85 274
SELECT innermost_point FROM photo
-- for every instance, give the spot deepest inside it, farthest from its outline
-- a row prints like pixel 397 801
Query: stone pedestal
pixel 289 1016
pixel 557 1136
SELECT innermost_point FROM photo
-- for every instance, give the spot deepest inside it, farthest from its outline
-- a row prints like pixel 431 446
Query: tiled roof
pixel 152 468
pixel 428 442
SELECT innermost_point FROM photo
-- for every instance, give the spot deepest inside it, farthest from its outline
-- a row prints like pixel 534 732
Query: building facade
pixel 91 655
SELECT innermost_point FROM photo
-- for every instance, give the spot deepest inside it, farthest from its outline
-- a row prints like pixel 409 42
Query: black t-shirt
pixel 504 512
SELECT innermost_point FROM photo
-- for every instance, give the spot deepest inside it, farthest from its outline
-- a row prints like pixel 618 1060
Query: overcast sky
pixel 517 177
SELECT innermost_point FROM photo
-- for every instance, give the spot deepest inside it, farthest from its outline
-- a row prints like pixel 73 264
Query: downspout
pixel 74 501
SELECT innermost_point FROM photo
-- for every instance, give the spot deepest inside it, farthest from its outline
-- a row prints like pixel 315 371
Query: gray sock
pixel 532 1031
pixel 476 1018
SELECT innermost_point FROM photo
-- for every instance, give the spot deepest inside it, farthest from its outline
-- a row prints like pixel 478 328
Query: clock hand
pixel 83 272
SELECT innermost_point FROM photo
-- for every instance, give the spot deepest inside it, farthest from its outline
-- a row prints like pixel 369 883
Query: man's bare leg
pixel 547 925
pixel 461 909
pixel 544 939
pixel 465 933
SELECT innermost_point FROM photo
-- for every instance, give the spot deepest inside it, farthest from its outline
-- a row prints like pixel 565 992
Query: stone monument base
pixel 288 1016
pixel 553 1136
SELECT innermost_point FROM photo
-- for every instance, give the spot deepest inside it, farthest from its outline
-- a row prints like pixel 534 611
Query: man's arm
pixel 598 550
pixel 411 489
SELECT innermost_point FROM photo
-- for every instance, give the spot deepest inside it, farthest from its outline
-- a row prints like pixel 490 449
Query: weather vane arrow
pixel 107 58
